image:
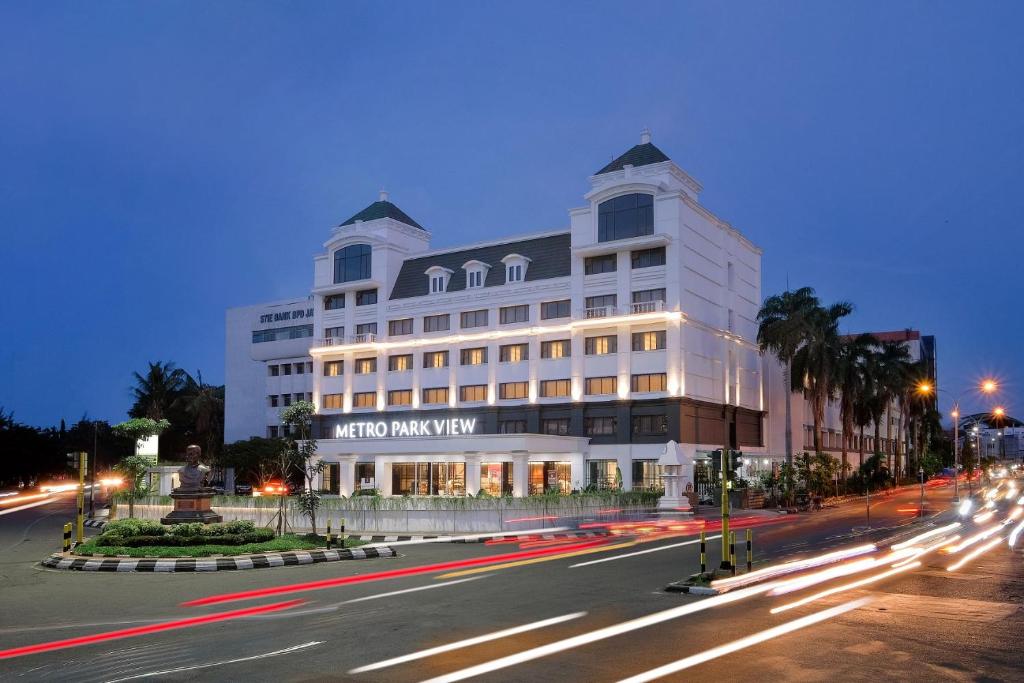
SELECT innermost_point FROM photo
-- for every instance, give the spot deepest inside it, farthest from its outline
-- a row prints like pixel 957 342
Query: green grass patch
pixel 282 544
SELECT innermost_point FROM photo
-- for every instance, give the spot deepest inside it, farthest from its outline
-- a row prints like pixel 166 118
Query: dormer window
pixel 515 268
pixel 476 273
pixel 438 278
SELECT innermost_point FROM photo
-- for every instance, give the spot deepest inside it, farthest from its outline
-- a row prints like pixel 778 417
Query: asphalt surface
pixel 923 624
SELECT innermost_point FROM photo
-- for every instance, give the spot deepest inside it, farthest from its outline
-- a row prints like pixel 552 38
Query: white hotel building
pixel 522 364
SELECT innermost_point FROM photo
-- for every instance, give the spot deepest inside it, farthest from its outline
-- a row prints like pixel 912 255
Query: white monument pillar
pixel 673 502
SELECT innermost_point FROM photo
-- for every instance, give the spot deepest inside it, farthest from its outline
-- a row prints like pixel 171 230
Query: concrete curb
pixel 211 564
pixel 96 523
pixel 478 538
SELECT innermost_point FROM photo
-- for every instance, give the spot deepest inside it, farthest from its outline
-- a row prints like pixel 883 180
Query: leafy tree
pixel 302 452
pixel 816 361
pixel 134 468
pixel 851 384
pixel 202 406
pixel 156 390
pixel 253 459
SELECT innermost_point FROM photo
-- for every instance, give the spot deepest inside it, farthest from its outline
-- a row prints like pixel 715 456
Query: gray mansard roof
pixel 383 209
pixel 549 258
pixel 638 155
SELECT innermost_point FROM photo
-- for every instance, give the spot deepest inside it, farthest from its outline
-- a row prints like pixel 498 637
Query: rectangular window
pixel 435 359
pixel 657 381
pixel 401 363
pixel 332 401
pixel 400 397
pixel 299 397
pixel 602 301
pixel 337 333
pixel 474 318
pixel 555 349
pixel 646 258
pixel 435 395
pixel 366 366
pixel 650 425
pixel 473 392
pixel 282 333
pixel 273 400
pixel 514 273
pixel 436 323
pixel 509 390
pixel 300 368
pixel 334 368
pixel 397 328
pixel 475 278
pixel 596 386
pixel 649 341
pixel 286 369
pixel 365 297
pixel 648 296
pixel 496 478
pixel 333 302
pixel 513 353
pixel 330 479
pixel 647 475
pixel 599 346
pixel 436 284
pixel 599 426
pixel 558 426
pixel 272 432
pixel 286 400
pixel 366 328
pixel 554 388
pixel 364 399
pixel 555 309
pixel 477 356
pixel 514 314
pixel 273 370
pixel 626 216
pixel 512 427
pixel 595 265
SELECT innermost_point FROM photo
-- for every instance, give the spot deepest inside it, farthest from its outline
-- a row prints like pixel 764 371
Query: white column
pixel 347 467
pixel 578 471
pixel 625 462
pixel 472 473
pixel 382 475
pixel 520 473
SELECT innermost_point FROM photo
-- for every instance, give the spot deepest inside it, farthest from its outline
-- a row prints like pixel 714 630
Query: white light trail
pixel 845 587
pixel 1012 540
pixel 742 643
pixel 928 534
pixel 971 540
pixel 924 551
pixel 600 634
pixel 469 642
pixel 973 554
pixel 794 566
pixel 983 517
pixel 641 552
pixel 801 582
pixel 28 505
pixel 965 507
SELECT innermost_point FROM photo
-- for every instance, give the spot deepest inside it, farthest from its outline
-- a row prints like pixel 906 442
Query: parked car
pixel 218 487
pixel 243 489
pixel 273 488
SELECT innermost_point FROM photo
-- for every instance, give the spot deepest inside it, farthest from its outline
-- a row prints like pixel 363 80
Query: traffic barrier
pixel 67 537
pixel 750 553
pixel 732 551
pixel 703 552
pixel 328 533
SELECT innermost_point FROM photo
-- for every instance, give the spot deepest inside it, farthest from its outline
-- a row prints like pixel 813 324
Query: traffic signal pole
pixel 726 564
pixel 80 518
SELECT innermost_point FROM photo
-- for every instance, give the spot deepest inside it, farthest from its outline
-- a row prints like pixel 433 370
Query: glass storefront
pixel 330 479
pixel 496 478
pixel 365 476
pixel 647 474
pixel 428 479
pixel 601 474
pixel 546 477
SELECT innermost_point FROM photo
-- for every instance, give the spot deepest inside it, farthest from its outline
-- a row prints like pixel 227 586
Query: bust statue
pixel 192 476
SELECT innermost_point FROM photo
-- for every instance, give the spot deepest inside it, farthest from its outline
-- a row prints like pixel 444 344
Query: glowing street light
pixel 989 386
pixel 999 411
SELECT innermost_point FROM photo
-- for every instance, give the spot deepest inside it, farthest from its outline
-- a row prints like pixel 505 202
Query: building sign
pixel 283 316
pixel 382 429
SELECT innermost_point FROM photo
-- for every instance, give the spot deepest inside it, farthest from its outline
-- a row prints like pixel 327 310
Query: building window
pixel 602 474
pixel 512 427
pixel 334 332
pixel 282 333
pixel 630 215
pixel 605 263
pixel 555 309
pixel 330 479
pixel 332 401
pixel 366 328
pixel 352 263
pixel 510 390
pixel 646 258
pixel 649 341
pixel 514 273
pixel 596 386
pixel 473 392
pixel 608 301
pixel 657 381
pixel 334 368
pixel 435 359
pixel 648 296
pixel 474 279
pixel 513 353
pixel 286 369
pixel 402 363
pixel 648 475
pixel 272 432
pixel 514 314
pixel 400 397
pixel 650 425
pixel 599 346
pixel 273 370
pixel 366 297
pixel 557 425
pixel 554 388
pixel 364 399
pixel 555 349
pixel 477 356
pixel 273 400
pixel 436 323
pixel 496 478
pixel 397 328
pixel 435 395
pixel 333 302
pixel 599 426
pixel 437 283
pixel 474 318
pixel 286 400
pixel 366 366
pixel 300 368
pixel 299 397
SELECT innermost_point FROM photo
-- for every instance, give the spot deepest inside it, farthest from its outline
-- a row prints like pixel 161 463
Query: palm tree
pixel 850 383
pixel 783 323
pixel 156 391
pixel 893 378
pixel 204 405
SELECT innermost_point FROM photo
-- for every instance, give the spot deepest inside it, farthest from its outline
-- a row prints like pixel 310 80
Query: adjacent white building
pixel 520 364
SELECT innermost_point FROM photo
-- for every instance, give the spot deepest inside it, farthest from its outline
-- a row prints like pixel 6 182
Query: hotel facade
pixel 517 365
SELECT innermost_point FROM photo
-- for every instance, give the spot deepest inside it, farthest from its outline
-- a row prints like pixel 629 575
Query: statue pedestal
pixel 192 506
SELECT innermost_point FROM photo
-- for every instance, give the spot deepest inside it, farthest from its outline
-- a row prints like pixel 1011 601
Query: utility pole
pixel 92 470
pixel 726 564
pixel 83 463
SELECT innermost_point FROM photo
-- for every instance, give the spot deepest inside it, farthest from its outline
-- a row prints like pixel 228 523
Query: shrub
pixel 179 540
pixel 239 526
pixel 134 527
pixel 188 529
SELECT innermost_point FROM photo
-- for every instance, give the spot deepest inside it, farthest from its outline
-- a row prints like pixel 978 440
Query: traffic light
pixel 73 461
pixel 735 460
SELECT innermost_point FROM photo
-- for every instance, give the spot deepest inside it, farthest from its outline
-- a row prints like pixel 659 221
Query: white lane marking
pixel 26 506
pixel 275 653
pixel 602 633
pixel 742 643
pixel 641 552
pixel 469 642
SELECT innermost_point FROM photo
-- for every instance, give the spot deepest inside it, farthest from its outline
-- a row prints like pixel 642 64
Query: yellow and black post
pixel 732 552
pixel 328 533
pixel 750 549
pixel 67 537
pixel 83 464
pixel 703 552
pixel 725 509
pixel 341 532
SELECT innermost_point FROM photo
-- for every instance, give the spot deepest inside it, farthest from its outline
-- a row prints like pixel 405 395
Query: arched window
pixel 352 263
pixel 630 215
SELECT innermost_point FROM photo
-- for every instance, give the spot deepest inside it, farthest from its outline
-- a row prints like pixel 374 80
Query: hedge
pixel 178 540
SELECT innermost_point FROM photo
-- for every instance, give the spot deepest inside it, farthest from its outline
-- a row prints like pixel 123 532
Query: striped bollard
pixel 67 537
pixel 328 533
pixel 750 552
pixel 341 532
pixel 732 551
pixel 703 552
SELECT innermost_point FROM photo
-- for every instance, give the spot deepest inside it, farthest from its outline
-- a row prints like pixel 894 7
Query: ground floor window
pixel 647 474
pixel 330 479
pixel 428 479
pixel 496 478
pixel 365 476
pixel 546 477
pixel 703 476
pixel 602 474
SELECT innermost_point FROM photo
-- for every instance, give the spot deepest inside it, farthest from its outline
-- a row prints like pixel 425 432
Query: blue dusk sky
pixel 163 161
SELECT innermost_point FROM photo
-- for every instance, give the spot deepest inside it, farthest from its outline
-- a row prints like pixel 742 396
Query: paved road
pixel 924 624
